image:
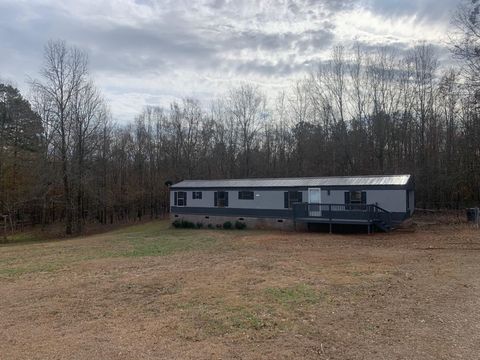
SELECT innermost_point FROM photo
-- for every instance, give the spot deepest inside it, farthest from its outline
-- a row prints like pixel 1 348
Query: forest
pixel 64 159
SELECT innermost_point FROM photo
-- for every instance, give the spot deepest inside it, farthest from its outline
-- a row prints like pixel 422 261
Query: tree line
pixel 64 159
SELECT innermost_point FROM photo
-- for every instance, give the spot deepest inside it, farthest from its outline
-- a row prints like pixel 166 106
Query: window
pixel 355 197
pixel 291 197
pixel 180 198
pixel 197 195
pixel 356 200
pixel 245 195
pixel 221 199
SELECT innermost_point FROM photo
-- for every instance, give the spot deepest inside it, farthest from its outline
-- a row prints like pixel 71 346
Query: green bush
pixel 188 224
pixel 240 225
pixel 183 224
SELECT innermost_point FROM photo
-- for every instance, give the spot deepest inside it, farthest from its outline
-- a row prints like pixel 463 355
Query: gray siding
pixel 391 200
pixel 335 197
pixel 205 201
pixel 411 195
pixel 263 199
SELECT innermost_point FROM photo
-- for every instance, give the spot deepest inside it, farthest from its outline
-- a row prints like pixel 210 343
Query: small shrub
pixel 240 225
pixel 188 224
pixel 210 226
pixel 185 224
pixel 199 225
pixel 219 226
pixel 227 225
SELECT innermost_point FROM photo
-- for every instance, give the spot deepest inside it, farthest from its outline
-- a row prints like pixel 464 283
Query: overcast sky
pixel 150 52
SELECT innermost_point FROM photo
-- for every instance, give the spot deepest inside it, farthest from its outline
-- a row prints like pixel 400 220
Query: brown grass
pixel 150 292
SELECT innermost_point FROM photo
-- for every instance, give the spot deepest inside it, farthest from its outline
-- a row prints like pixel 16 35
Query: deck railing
pixel 370 213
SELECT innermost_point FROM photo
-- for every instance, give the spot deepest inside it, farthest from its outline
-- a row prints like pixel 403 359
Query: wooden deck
pixel 369 215
pixel 334 221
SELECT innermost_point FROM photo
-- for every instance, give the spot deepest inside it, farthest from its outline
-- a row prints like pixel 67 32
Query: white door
pixel 314 201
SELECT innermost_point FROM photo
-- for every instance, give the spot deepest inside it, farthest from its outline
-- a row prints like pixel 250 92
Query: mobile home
pixel 380 202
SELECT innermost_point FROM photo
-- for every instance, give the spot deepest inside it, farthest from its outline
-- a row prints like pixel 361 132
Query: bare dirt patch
pixel 149 292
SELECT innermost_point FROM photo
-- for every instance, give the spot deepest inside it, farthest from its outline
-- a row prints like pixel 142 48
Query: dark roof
pixel 380 180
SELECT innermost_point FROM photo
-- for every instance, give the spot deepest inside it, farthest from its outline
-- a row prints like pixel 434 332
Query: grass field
pixel 149 292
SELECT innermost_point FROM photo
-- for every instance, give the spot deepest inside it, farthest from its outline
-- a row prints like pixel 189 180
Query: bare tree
pixel 88 114
pixel 247 107
pixel 466 41
pixel 63 76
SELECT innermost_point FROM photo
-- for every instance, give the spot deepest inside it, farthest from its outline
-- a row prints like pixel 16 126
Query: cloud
pixel 282 41
pixel 425 10
pixel 152 51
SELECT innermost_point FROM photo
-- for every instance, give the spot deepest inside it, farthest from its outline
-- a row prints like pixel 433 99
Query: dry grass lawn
pixel 151 292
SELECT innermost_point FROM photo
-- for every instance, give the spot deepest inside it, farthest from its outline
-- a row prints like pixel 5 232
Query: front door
pixel 314 201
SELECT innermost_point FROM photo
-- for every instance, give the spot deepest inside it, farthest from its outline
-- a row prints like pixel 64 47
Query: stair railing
pixel 382 215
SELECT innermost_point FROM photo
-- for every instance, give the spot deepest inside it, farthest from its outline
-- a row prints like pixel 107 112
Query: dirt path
pixel 249 295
